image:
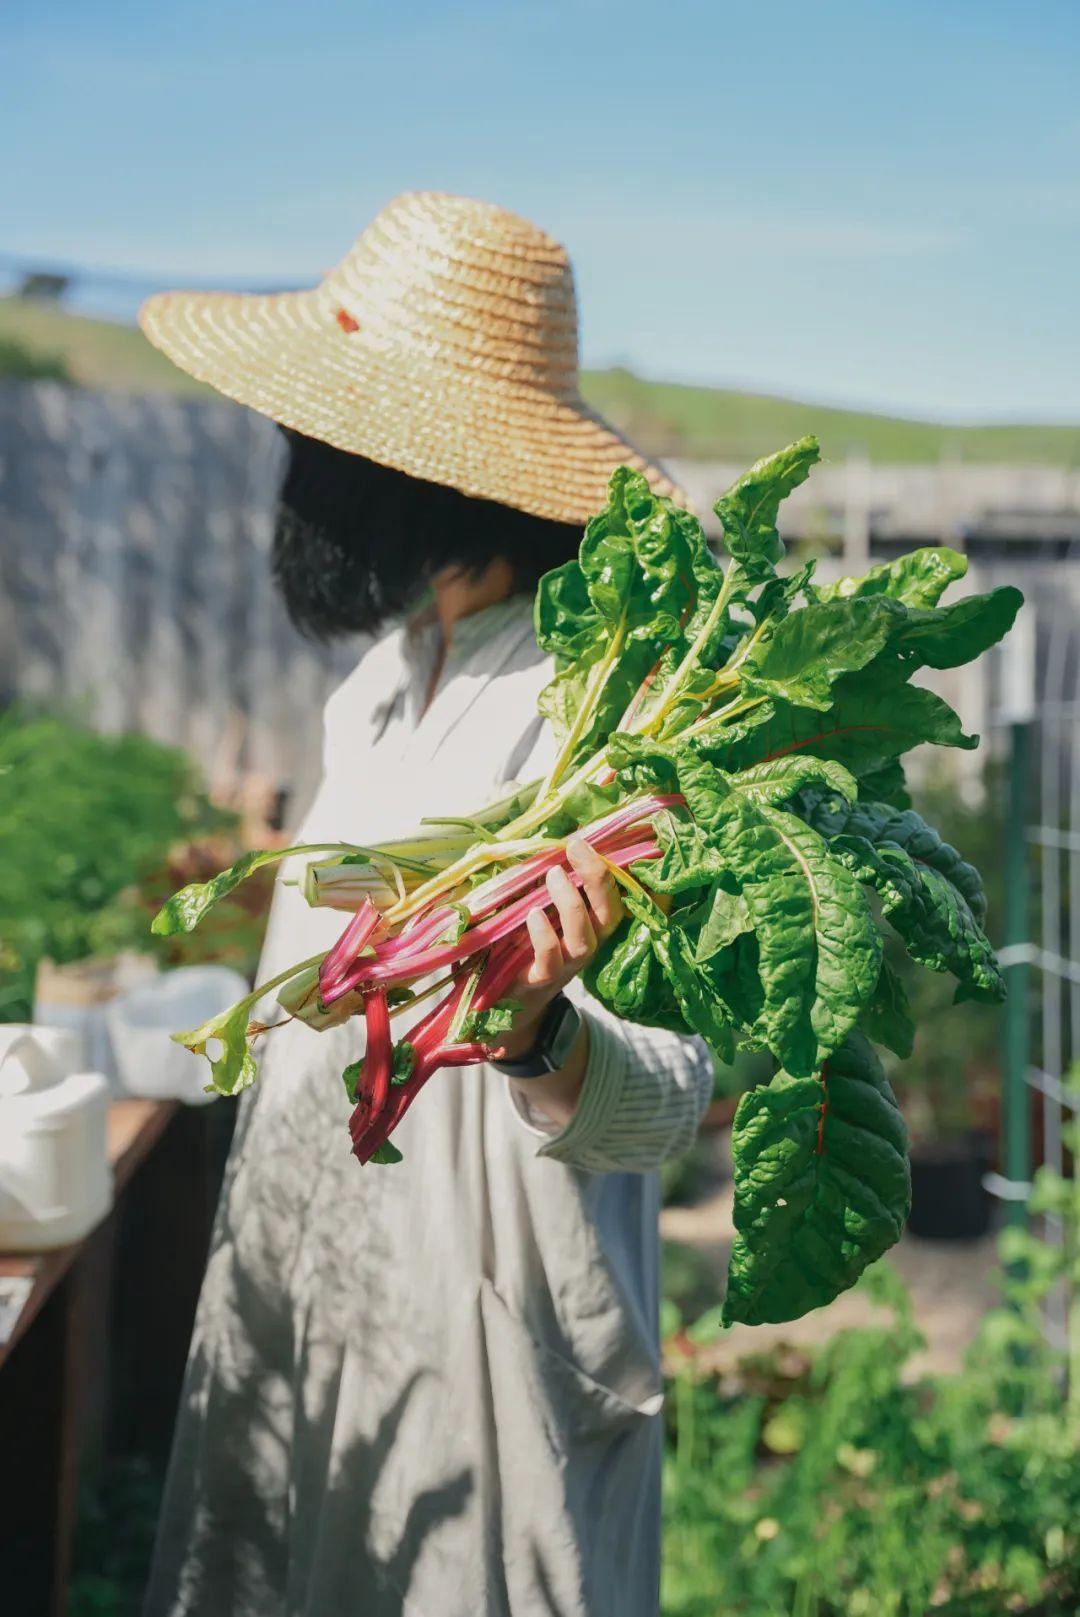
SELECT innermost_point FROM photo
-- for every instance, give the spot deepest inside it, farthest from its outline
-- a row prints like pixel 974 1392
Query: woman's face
pixel 357 543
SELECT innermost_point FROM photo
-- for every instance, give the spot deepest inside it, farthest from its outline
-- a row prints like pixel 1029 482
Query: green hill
pixel 662 418
pixel 91 353
pixel 707 423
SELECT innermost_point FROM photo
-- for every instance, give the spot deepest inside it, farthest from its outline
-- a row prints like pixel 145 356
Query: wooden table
pixel 132 1130
pixel 94 1362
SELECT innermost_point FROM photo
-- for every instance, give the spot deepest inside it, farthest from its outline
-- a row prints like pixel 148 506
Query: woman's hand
pixel 586 917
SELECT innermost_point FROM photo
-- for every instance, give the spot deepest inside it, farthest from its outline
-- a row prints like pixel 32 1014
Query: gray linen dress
pixel 429 1389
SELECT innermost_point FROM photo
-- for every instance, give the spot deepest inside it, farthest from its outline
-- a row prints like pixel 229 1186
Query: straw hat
pixel 444 344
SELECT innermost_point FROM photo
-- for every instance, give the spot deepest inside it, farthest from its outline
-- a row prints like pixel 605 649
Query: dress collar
pixel 479 629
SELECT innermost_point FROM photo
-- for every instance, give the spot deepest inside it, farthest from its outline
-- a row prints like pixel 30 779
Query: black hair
pixel 356 543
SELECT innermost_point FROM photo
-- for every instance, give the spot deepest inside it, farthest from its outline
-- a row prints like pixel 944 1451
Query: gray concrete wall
pixel 135 581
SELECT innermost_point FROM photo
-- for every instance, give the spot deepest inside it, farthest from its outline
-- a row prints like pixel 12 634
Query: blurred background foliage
pixel 830 1482
pixel 96 831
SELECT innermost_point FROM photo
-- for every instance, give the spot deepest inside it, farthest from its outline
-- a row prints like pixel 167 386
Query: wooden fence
pixel 135 582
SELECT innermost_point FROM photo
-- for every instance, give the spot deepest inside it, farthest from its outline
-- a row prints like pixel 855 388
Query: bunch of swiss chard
pixel 729 739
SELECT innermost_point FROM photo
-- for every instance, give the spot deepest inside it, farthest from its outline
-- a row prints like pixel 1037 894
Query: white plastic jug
pixel 55 1179
pixel 142 1021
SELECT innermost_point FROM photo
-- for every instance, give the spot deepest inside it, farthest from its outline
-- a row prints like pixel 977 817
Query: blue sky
pixel 856 201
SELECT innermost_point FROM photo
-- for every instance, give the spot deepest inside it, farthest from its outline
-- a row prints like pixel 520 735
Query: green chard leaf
pixel 808 650
pixel 930 914
pixel 819 952
pixel 948 636
pixel 875 717
pixel 234 1068
pixel 749 509
pixel 185 909
pixel 881 823
pixel 918 579
pixel 703 628
pixel 350 1077
pixel 687 860
pixel 565 620
pixel 780 779
pixel 887 1018
pixel 586 698
pixel 885 784
pixel 486 1026
pixel 610 616
pixel 457 926
pixel 585 804
pixel 626 976
pixel 402 1062
pixel 387 1153
pixel 727 919
pixel 775 599
pixel 636 561
pixel 697 988
pixel 822 1186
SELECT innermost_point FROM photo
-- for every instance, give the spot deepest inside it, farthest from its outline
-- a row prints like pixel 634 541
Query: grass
pixel 662 418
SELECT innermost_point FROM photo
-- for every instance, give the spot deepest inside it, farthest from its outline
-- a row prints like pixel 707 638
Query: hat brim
pixel 286 356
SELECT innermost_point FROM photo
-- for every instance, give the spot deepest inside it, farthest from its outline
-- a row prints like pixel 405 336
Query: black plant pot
pixel 948 1202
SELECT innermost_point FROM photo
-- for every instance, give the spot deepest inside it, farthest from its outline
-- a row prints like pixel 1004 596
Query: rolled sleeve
pixel 642 1098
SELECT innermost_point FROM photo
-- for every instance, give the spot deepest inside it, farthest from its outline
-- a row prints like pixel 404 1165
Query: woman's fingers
pixel 548 964
pixel 599 884
pixel 560 952
pixel 578 936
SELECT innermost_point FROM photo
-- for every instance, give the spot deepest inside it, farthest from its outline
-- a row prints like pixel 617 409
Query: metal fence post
pixel 1016 1107
pixel 1018 711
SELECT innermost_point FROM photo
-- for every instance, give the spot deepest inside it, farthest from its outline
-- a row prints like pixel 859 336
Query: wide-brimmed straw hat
pixel 445 344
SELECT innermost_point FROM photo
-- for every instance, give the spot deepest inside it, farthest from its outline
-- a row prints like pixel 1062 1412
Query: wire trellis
pixel 1038 731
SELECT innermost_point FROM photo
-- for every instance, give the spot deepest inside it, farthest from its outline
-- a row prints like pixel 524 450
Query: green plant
pixel 834 1485
pixel 87 826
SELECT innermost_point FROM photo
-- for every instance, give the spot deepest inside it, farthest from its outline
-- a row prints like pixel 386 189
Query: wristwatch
pixel 555 1037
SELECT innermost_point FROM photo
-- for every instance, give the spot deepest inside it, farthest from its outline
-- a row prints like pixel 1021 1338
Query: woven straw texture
pixel 444 344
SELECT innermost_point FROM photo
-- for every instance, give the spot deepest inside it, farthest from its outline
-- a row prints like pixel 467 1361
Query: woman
pixel 434 1388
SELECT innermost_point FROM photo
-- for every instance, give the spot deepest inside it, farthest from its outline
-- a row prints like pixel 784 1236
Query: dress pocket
pixel 575 1399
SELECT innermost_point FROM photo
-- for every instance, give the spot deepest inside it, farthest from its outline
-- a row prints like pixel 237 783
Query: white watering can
pixel 55 1179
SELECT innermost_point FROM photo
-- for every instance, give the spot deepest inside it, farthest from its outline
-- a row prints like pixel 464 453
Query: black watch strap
pixel 555 1038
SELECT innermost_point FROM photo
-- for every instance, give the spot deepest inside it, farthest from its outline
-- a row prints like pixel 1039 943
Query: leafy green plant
pixel 728 740
pixel 88 824
pixel 833 1484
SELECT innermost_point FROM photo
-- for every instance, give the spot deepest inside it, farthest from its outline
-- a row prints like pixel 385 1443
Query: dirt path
pixel 950 1282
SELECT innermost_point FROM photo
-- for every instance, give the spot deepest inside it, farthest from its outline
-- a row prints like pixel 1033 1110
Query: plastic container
pixel 76 996
pixel 55 1179
pixel 141 1023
